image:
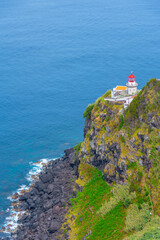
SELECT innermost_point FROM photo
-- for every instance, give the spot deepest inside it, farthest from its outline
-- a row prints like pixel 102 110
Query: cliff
pixel 108 186
pixel 119 170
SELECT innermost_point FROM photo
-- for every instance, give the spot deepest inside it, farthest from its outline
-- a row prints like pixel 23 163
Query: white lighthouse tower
pixel 132 85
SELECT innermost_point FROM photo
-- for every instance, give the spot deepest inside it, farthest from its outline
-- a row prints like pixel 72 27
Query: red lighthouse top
pixel 131 78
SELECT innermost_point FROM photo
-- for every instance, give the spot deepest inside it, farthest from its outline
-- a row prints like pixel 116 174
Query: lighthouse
pixel 132 85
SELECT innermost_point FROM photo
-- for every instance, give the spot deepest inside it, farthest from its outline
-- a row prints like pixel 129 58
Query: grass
pixel 77 147
pixel 123 139
pixel 111 226
pixel 87 112
pixel 86 205
pixel 107 94
pixel 132 165
pixel 121 119
pixel 88 202
pixel 120 193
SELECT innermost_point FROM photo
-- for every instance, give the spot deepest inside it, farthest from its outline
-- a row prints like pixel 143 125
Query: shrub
pixel 140 175
pixel 132 110
pixel 136 219
pixel 150 231
pixel 121 193
pixel 151 235
pixel 150 130
pixel 126 203
pixel 88 133
pixel 87 112
pixel 150 204
pixel 123 139
pixel 132 187
pixel 107 118
pixel 121 119
pixel 132 165
pixel 141 200
pixel 107 94
pixel 139 189
pixel 77 147
pixel 139 206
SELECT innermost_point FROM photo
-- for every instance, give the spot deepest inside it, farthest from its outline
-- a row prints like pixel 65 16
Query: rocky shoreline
pixel 45 204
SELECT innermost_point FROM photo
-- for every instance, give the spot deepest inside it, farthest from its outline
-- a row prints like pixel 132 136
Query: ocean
pixel 56 57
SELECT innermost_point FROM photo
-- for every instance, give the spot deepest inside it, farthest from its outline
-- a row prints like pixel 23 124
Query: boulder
pixel 25 197
pixel 48 204
pixel 46 177
pixel 56 209
pixel 50 188
pixel 54 226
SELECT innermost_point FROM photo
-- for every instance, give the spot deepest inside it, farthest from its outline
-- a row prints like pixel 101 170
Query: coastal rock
pixel 46 177
pixel 48 205
pixel 54 226
pixel 45 202
pixel 50 188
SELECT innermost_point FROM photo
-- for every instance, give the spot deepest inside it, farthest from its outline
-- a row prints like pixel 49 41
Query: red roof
pixel 131 76
pixel 134 96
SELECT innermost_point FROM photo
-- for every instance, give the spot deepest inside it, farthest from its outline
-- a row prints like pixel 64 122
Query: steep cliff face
pixel 101 148
pixel 116 138
pixel 125 146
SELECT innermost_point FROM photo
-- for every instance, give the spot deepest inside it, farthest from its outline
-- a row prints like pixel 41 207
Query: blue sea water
pixel 56 57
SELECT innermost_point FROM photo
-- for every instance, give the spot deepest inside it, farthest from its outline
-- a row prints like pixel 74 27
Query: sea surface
pixel 56 57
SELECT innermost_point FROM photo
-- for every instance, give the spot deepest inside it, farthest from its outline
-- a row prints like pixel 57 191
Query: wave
pixel 11 222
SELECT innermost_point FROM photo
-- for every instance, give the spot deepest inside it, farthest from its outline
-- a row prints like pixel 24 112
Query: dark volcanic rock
pixel 54 226
pixel 50 188
pixel 47 202
pixel 46 177
pixel 87 126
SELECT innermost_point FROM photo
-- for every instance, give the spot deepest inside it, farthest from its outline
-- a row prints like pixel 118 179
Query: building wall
pixel 132 90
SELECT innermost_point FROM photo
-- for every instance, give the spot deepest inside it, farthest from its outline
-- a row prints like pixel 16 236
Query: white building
pixel 128 101
pixel 129 89
pixel 119 90
pixel 126 93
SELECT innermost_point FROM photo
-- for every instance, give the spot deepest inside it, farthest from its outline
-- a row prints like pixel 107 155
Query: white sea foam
pixel 36 169
pixel 7 210
pixel 11 222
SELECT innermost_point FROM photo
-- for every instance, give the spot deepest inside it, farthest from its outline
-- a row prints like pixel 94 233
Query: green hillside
pixel 119 171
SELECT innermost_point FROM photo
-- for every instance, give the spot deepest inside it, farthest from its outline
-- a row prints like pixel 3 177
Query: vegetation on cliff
pixel 119 171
